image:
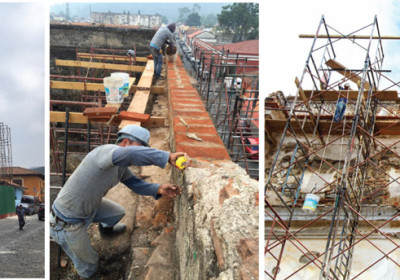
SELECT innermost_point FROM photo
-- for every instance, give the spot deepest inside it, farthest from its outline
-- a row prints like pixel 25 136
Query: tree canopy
pixel 241 19
pixel 193 20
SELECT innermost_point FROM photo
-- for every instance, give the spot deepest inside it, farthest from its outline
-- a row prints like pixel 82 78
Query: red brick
pixel 186 100
pixel 194 106
pixel 217 247
pixel 203 152
pixel 257 199
pixel 191 121
pixel 183 113
pixel 196 129
pixel 182 138
pixel 227 192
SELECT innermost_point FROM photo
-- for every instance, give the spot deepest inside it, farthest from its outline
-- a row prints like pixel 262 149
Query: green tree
pixel 241 19
pixel 196 8
pixel 182 13
pixel 209 20
pixel 193 20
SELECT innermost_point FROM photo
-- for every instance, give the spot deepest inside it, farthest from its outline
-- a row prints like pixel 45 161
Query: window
pixel 18 181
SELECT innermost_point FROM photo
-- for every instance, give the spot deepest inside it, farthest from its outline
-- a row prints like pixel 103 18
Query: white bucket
pixel 310 203
pixel 125 76
pixel 114 89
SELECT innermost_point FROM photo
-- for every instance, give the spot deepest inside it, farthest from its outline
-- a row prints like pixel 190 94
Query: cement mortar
pixel 202 213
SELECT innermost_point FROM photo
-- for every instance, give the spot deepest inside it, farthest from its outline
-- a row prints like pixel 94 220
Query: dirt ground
pixel 22 252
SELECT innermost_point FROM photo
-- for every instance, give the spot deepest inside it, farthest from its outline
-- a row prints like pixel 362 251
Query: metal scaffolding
pixel 328 128
pixel 229 87
pixel 5 153
pixel 71 95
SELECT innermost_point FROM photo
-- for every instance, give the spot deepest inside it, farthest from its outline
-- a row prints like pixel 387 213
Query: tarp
pixel 7 200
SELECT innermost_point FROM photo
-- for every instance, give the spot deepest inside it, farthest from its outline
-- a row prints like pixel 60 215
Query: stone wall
pixel 65 38
pixel 217 213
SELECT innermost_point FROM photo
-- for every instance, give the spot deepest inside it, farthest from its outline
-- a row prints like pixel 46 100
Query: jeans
pixel 158 60
pixel 340 109
pixel 75 241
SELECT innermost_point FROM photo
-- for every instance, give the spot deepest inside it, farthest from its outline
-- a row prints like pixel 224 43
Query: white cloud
pixel 284 54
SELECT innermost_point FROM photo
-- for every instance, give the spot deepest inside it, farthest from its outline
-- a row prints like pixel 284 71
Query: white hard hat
pixel 135 133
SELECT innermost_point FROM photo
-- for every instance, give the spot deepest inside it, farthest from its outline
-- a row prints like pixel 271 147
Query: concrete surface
pixel 22 252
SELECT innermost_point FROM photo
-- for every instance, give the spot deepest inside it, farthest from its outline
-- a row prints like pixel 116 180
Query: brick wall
pixel 217 213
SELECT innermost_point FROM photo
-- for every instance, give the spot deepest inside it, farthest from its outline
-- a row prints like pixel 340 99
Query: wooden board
pixel 277 126
pixel 331 95
pixel 100 86
pixel 79 118
pixel 100 65
pixel 347 73
pixel 139 101
pixel 111 57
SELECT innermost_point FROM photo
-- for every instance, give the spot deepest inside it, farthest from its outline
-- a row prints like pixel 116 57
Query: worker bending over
pixel 80 202
pixel 162 38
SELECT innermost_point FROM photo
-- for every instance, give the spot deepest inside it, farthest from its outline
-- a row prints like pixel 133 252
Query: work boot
pixel 116 229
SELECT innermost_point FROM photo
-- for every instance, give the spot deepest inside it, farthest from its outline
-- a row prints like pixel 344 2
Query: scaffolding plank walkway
pixel 139 101
pixel 100 65
pixel 333 95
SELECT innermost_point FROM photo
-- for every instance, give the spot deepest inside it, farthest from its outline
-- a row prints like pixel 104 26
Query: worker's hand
pixel 169 190
pixel 174 156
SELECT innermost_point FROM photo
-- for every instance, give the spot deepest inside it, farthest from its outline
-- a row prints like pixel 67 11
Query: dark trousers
pixel 21 222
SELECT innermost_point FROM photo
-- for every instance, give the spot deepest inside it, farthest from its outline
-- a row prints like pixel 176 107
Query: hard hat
pixel 135 133
pixel 346 85
pixel 131 53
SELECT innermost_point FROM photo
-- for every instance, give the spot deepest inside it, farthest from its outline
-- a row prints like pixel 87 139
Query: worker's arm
pixel 139 156
pixel 142 156
pixel 142 187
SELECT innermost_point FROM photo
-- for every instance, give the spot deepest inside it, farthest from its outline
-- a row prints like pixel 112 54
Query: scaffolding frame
pixel 6 165
pixel 310 125
pixel 83 137
pixel 231 97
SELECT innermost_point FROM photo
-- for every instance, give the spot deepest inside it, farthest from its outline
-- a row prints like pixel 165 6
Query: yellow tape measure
pixel 181 162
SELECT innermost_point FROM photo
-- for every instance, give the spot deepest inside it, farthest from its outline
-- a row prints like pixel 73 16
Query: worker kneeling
pixel 80 202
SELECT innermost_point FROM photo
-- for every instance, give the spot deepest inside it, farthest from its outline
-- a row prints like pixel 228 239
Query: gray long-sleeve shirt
pixel 162 35
pixel 99 171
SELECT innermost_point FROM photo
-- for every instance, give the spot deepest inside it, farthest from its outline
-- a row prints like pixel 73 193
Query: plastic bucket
pixel 310 203
pixel 125 76
pixel 114 89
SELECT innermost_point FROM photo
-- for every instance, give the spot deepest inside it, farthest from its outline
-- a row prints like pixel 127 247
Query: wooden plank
pixel 346 72
pixel 111 57
pixel 139 101
pixel 147 77
pixel 73 117
pixel 331 95
pixel 133 116
pixel 100 65
pixel 100 86
pixel 301 92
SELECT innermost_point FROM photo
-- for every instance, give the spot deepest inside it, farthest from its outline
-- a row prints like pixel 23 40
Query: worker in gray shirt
pixel 162 37
pixel 21 216
pixel 80 202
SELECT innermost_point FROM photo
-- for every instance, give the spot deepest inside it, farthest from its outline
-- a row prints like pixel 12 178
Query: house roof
pixel 19 171
pixel 246 47
pixel 195 33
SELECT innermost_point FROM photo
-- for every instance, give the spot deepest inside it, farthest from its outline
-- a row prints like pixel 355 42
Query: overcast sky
pixel 285 53
pixel 22 80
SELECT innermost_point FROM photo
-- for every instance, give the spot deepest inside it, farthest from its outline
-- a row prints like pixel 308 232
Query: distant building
pixel 143 21
pixel 33 182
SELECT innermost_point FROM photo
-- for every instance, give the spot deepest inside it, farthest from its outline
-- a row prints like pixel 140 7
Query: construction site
pixel 210 231
pixel 333 164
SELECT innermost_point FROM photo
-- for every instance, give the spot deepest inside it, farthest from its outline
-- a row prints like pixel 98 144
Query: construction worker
pixel 162 37
pixel 21 216
pixel 80 202
pixel 341 105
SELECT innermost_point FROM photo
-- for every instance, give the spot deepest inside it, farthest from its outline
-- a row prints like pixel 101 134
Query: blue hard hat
pixel 135 133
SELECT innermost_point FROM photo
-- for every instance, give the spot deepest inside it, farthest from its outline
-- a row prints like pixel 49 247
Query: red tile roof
pixel 195 33
pixel 24 172
pixel 246 47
